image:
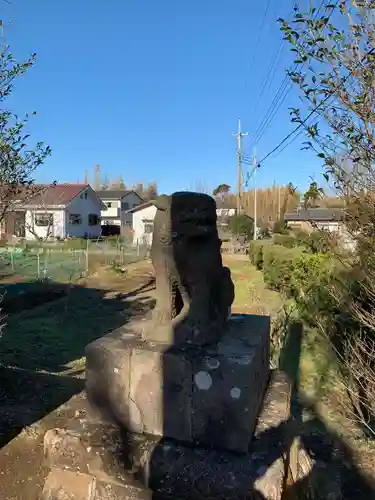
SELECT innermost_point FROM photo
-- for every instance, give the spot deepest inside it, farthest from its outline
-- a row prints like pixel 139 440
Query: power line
pixel 256 46
pixel 271 73
pixel 282 93
pixel 309 115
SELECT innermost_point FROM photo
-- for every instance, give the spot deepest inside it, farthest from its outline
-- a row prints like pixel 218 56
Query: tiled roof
pixel 114 194
pixel 317 215
pixel 140 207
pixel 58 194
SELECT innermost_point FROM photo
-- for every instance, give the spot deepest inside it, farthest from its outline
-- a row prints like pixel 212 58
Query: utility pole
pixel 278 202
pixel 239 136
pixel 255 166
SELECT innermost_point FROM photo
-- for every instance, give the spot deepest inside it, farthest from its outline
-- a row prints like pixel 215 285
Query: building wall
pixel 117 207
pixel 225 212
pixel 57 229
pixel 139 222
pixel 84 207
pixel 113 208
pixel 140 218
pixel 332 226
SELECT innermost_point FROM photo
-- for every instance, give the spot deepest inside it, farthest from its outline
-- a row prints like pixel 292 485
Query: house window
pixel 75 219
pixel 43 220
pixel 125 206
pixel 109 205
pixel 93 220
pixel 149 227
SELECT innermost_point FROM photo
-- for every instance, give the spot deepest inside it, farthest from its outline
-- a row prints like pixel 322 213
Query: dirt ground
pixel 42 372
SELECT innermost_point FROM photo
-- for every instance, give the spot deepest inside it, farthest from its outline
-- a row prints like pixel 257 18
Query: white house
pixel 118 203
pixel 58 211
pixel 143 223
pixel 225 212
pixel 326 219
pixel 323 219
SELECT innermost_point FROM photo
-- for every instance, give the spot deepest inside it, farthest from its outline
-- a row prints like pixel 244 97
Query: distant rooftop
pixel 316 215
pixel 53 194
pixel 140 207
pixel 114 194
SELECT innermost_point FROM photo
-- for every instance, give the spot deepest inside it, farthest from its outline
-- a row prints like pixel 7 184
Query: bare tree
pixel 18 162
pixel 199 186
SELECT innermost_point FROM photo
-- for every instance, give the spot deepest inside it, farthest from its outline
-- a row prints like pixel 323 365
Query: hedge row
pixel 295 271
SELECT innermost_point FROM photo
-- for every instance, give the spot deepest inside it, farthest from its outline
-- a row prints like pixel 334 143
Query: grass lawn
pixel 252 296
pixel 42 349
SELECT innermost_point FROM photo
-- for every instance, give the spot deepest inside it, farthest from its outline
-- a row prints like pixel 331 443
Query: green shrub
pixel 280 227
pixel 311 283
pixel 241 225
pixel 285 240
pixel 278 267
pixel 256 252
pixel 320 242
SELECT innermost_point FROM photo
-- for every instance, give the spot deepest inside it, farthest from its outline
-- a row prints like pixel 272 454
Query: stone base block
pixel 68 485
pixel 210 395
pixel 170 470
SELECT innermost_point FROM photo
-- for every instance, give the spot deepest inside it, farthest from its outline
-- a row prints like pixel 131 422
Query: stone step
pixel 96 457
pixel 68 485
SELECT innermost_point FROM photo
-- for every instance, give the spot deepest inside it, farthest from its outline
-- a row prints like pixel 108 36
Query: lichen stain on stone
pixel 212 364
pixel 203 380
pixel 235 392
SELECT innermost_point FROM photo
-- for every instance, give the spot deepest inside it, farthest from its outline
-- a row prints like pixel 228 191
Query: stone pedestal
pixel 92 461
pixel 210 395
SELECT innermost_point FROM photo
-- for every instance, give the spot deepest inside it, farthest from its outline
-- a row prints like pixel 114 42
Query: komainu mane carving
pixel 194 289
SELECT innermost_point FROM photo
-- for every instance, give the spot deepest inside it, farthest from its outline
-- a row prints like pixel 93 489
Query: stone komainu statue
pixel 194 290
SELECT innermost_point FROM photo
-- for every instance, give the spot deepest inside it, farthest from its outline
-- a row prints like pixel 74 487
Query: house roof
pixel 56 195
pixel 316 215
pixel 140 207
pixel 114 194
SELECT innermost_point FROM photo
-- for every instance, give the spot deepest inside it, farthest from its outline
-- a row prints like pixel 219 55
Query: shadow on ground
pixel 334 463
pixel 41 349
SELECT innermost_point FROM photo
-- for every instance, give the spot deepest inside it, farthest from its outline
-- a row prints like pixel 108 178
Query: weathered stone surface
pixel 70 485
pixel 66 485
pixel 90 448
pixel 194 290
pixel 106 491
pixel 108 374
pixel 229 385
pixel 174 471
pixel 211 394
pixel 160 392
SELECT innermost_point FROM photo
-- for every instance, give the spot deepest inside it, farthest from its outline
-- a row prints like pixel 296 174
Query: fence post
pixel 38 263
pixel 12 260
pixel 87 257
pixel 45 262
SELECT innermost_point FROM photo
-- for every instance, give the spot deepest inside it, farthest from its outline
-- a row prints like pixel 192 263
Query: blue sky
pixel 153 90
